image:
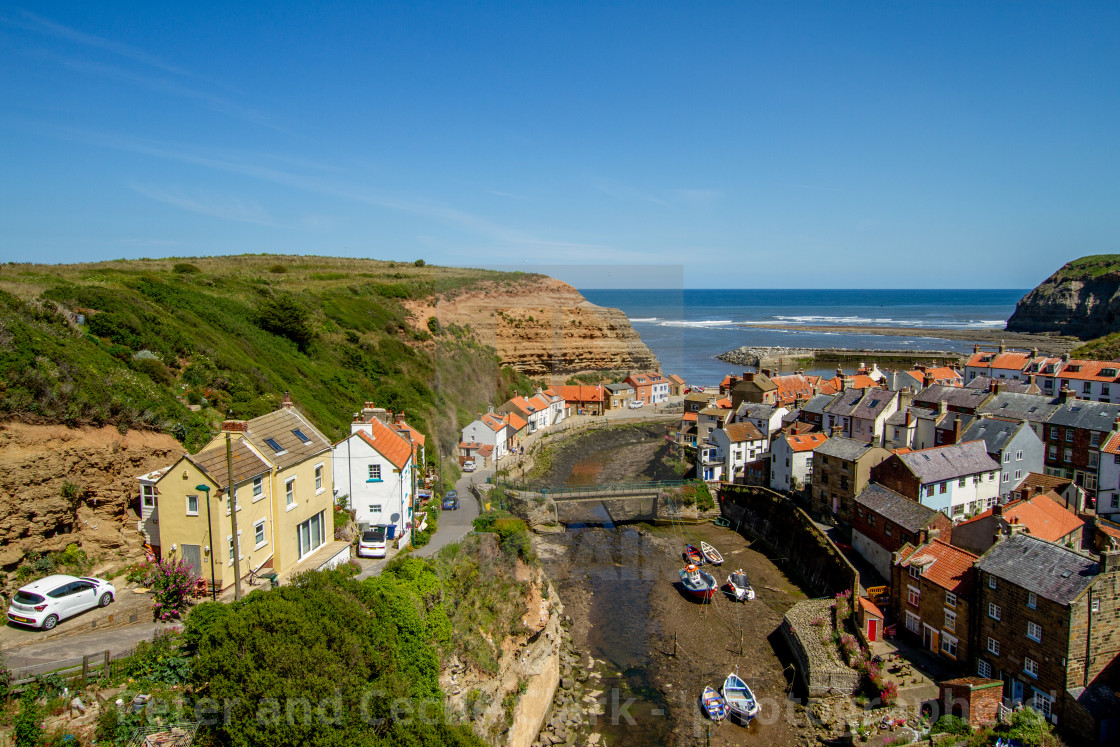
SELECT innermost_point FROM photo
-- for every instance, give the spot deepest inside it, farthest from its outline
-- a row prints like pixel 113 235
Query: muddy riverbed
pixel 624 453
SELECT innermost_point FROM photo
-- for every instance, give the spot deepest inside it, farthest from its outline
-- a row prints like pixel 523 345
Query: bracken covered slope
pixel 1081 299
pixel 542 327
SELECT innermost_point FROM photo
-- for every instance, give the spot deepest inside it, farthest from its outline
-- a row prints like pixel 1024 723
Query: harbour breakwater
pixel 792 359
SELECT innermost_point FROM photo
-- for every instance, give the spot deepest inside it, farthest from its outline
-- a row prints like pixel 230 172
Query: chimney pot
pixel 287 403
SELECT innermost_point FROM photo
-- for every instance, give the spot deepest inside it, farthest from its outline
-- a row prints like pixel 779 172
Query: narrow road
pixel 115 640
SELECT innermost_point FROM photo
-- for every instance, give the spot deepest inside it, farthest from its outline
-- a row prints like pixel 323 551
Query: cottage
pixel 884 521
pixel 957 480
pixel 933 587
pixel 1038 515
pixel 791 460
pixel 842 468
pixel 1010 443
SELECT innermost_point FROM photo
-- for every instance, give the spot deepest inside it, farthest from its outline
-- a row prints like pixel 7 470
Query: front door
pixel 1016 691
pixel 929 638
pixel 192 555
pixel 872 629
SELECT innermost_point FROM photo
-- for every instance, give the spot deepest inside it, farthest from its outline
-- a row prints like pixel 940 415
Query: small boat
pixel 740 586
pixel 714 704
pixel 697 583
pixel 711 554
pixel 739 698
pixel 692 555
pixel 719 521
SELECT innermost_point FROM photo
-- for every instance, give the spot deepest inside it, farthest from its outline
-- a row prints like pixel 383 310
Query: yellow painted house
pixel 282 485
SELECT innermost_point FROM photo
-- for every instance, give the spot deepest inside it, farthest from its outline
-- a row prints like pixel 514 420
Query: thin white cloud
pixel 226 207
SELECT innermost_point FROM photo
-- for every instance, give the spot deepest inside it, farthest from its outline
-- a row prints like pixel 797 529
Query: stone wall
pixel 790 533
pixel 818 660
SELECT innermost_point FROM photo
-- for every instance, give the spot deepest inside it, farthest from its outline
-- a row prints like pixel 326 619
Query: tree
pixel 285 315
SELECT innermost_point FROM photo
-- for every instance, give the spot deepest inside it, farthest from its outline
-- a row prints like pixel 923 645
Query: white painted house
pixel 958 480
pixel 489 429
pixel 791 460
pixel 374 466
pixel 737 444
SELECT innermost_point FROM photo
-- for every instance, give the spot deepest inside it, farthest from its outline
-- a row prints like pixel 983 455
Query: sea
pixel 687 328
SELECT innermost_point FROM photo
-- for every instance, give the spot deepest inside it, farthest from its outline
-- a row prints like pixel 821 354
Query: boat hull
pixel 704 590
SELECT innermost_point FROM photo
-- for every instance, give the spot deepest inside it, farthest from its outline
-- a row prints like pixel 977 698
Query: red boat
pixel 697 583
pixel 693 555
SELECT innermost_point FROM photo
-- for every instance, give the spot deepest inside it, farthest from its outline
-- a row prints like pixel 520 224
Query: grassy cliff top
pixel 1088 268
pixel 177 344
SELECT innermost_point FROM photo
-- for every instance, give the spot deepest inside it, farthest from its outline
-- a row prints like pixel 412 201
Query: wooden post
pixel 105 654
pixel 85 666
pixel 674 644
pixel 740 642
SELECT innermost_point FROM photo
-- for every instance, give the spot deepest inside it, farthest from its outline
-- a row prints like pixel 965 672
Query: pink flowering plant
pixel 172 582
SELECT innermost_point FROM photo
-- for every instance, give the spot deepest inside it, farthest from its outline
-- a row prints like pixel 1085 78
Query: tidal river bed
pixel 621 590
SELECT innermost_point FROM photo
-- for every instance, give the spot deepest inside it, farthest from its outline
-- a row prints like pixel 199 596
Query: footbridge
pixel 600 504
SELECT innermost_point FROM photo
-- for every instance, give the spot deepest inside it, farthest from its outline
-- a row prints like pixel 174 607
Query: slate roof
pixel 817 404
pixel 1035 408
pixel 910 515
pixel 1080 413
pixel 760 410
pixel 1049 570
pixel 845 402
pixel 961 398
pixel 843 448
pixel 951 567
pixel 619 388
pixel 246 463
pixel 898 417
pixel 280 426
pixel 949 462
pixel 873 403
pixel 1007 385
pixel 996 433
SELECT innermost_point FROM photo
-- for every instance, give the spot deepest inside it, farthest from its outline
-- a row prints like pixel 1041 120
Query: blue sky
pixel 730 144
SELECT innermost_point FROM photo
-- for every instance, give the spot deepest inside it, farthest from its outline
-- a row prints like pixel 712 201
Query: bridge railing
pixel 612 489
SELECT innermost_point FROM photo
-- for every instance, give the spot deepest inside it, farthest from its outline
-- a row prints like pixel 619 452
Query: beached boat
pixel 739 698
pixel 711 554
pixel 697 583
pixel 714 704
pixel 740 586
pixel 692 555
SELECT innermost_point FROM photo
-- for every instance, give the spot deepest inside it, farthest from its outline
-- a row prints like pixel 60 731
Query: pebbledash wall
pixel 792 535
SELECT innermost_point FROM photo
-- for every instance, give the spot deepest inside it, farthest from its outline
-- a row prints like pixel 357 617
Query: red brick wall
pixel 893 474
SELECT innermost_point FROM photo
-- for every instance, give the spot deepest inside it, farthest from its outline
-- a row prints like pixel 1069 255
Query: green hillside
pixel 1088 268
pixel 231 335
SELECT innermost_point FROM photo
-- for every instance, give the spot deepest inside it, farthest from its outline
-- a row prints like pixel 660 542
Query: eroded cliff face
pixel 544 327
pixel 62 485
pixel 1071 303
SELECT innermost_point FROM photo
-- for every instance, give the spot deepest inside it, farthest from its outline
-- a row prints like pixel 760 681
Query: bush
pixel 172 583
pixel 28 724
pixel 185 268
pixel 285 315
pixel 419 263
pixel 160 661
pixel 949 724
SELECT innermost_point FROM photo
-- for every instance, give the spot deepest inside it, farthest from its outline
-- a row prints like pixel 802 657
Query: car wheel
pixel 50 622
pixel 106 598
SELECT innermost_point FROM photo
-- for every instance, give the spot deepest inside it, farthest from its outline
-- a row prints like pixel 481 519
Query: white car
pixel 635 404
pixel 43 603
pixel 372 542
pixel 468 466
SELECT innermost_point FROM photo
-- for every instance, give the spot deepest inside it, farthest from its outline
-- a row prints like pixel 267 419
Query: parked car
pixel 635 404
pixel 372 542
pixel 451 501
pixel 43 603
pixel 468 466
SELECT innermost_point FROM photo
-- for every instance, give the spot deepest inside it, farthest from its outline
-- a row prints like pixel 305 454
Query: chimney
pixel 907 421
pixel 287 403
pixel 957 430
pixel 767 372
pixel 1110 560
pixel 997 510
pixel 1002 347
pixel 837 430
pixel 1066 395
pixel 1065 357
pixel 1034 352
pixel 975 349
pixel 942 407
pixel 235 426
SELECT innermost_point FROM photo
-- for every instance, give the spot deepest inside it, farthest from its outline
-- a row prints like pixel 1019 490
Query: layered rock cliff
pixel 1081 299
pixel 62 485
pixel 543 327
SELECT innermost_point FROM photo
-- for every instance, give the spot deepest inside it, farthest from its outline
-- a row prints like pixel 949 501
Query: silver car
pixel 43 603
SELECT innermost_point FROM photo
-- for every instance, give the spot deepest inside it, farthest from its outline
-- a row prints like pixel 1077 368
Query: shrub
pixel 419 263
pixel 28 724
pixel 155 370
pixel 185 268
pixel 434 326
pixel 889 694
pixel 278 269
pixel 172 582
pixel 160 660
pixel 285 315
pixel 949 724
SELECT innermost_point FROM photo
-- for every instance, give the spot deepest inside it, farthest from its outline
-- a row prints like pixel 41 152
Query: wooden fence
pixel 79 667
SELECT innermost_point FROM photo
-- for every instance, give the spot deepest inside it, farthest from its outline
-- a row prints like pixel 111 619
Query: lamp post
pixel 210 531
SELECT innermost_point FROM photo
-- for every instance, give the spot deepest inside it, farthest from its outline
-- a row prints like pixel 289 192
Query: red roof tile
pixel 806 442
pixel 388 443
pixel 951 568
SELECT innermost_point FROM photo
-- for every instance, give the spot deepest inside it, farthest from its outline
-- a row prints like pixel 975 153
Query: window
pixel 1032 600
pixel 942 487
pixel 912 596
pixel 1043 703
pixel 950 599
pixel 1094 458
pixel 1007 457
pixel 950 621
pixel 1067 455
pixel 915 571
pixel 1006 478
pixel 1018 474
pixel 301 436
pixel 232 545
pixel 1034 632
pixel 887 529
pixel 318 479
pixel 912 622
pixel 1053 453
pixel 960 482
pixel 148 495
pixel 993 646
pixel 929 491
pixel 275 446
pixel 290 491
pixel 375 508
pixel 948 645
pixel 994 611
pixel 984 669
pixel 1030 666
pixel 1069 435
pixel 258 534
pixel 258 486
pixel 871 519
pixel 991 582
pixel 1087 388
pixel 310 535
pixel 1096 607
pixel 192 505
pixel 374 473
